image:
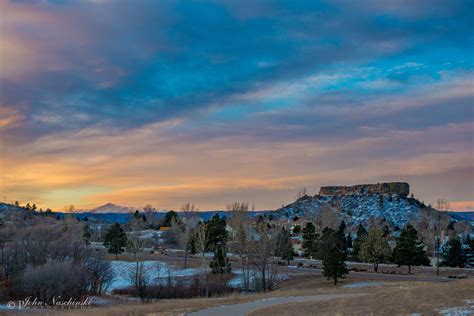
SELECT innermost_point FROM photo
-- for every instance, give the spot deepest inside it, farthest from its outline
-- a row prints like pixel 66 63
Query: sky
pixel 168 102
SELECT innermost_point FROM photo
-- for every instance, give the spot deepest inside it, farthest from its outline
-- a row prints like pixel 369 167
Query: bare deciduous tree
pixel 183 231
pixel 300 193
pixel 327 217
pixel 239 238
pixel 200 243
pixel 261 258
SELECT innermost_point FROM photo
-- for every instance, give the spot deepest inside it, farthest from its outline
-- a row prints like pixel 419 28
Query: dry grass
pixel 396 299
pixel 297 285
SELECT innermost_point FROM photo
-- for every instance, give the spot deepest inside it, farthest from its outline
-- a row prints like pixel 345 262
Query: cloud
pixel 170 101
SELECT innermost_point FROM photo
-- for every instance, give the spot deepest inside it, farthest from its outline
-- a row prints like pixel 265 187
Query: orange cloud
pixel 462 206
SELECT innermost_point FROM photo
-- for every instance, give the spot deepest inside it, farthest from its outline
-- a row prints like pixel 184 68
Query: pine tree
pixel 284 246
pixel 453 254
pixel 375 249
pixel 334 266
pixel 220 263
pixel 470 251
pixel 329 239
pixel 341 236
pixel 297 229
pixel 216 232
pixel 409 251
pixel 309 239
pixel 169 217
pixel 361 234
pixel 115 239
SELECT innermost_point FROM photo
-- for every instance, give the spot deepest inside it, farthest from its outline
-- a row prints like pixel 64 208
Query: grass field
pixel 454 298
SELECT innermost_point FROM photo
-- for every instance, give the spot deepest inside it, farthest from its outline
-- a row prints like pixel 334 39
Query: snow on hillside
pixel 358 208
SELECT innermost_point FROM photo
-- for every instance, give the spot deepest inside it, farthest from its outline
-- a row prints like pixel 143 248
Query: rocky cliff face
pixel 395 188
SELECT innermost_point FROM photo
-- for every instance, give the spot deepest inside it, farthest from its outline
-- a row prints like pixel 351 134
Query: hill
pixel 360 203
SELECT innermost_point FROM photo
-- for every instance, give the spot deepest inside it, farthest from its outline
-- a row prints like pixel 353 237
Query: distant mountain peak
pixel 113 208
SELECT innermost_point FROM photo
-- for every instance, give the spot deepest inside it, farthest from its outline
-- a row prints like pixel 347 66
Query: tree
pixel 168 219
pixel 470 251
pixel 309 239
pixel 408 250
pixel 284 246
pixel 134 245
pixel 361 234
pixel 374 248
pixel 115 239
pixel 183 231
pixel 220 263
pixel 328 217
pixel 453 254
pixel 334 266
pixel 200 243
pixel 264 249
pixel 297 229
pixel 341 236
pixel 327 242
pixel 302 192
pixel 216 232
pixel 240 238
pixel 86 234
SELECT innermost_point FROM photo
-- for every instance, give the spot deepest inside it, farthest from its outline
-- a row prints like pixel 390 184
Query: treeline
pixel 373 246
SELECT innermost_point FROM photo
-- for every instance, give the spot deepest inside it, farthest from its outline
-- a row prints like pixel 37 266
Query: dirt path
pixel 245 308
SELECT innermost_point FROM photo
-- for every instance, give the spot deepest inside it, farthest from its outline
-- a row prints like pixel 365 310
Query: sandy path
pixel 245 308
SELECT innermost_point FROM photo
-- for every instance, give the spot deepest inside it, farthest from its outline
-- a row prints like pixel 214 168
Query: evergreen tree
pixel 284 246
pixel 453 254
pixel 115 239
pixel 470 251
pixel 216 232
pixel 309 239
pixel 375 249
pixel 408 250
pixel 220 263
pixel 297 229
pixel 169 217
pixel 329 239
pixel 334 266
pixel 361 234
pixel 341 236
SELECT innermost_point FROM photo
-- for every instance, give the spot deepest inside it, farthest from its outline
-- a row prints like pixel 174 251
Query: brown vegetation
pixel 404 299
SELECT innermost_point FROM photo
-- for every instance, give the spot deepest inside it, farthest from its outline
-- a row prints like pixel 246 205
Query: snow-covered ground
pixel 355 285
pixel 468 309
pixel 155 271
pixel 238 279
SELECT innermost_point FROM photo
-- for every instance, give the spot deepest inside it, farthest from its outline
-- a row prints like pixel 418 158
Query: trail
pixel 245 308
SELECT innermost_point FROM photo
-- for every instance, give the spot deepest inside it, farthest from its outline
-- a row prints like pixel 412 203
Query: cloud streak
pixel 167 102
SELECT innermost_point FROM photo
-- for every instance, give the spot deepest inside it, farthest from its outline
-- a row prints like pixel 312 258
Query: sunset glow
pixel 163 103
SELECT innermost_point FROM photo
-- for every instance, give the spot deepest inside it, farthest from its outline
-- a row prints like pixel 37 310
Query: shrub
pixel 53 279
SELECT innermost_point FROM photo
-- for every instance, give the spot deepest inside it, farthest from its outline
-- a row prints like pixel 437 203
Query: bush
pixel 53 279
pixel 183 289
